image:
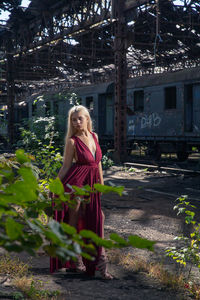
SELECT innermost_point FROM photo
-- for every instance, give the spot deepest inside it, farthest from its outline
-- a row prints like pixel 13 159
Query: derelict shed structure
pixel 57 45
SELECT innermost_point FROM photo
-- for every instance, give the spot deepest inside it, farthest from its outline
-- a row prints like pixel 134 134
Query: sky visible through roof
pixel 5 14
pixel 25 3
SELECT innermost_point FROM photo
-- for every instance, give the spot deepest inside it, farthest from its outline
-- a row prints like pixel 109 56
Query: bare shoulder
pixel 70 143
pixel 96 135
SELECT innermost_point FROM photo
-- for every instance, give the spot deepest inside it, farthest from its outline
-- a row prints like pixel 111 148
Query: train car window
pixel 139 101
pixel 89 103
pixel 130 107
pixel 170 97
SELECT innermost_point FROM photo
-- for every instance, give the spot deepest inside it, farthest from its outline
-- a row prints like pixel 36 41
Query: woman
pixel 82 147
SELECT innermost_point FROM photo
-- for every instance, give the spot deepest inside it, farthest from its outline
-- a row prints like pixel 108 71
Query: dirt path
pixel 147 210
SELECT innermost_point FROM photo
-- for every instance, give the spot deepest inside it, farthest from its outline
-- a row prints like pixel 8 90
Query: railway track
pixel 169 168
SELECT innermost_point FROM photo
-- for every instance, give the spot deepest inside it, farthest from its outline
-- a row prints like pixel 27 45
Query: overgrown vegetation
pixel 39 137
pixel 33 289
pixel 188 245
pixel 107 162
pixel 19 276
pixel 23 200
pixel 21 192
pixel 26 182
pixel 187 249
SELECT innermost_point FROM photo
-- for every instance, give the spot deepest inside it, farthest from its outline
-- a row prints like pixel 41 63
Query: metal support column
pixel 120 80
pixel 10 91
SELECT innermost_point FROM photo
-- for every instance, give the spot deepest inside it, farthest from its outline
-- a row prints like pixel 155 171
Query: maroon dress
pixel 84 171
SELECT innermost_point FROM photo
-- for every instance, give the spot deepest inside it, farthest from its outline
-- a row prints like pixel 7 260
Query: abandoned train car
pixel 163 111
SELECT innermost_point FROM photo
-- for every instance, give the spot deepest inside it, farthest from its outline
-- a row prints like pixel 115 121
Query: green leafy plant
pixel 35 291
pixel 73 99
pixel 18 296
pixel 187 250
pixel 107 162
pixel 21 203
pixel 131 170
pixel 41 143
pixel 32 288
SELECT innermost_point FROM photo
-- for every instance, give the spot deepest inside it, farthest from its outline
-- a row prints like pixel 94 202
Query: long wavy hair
pixel 70 129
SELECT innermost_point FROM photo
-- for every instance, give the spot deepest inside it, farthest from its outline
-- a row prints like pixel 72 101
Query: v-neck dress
pixel 84 171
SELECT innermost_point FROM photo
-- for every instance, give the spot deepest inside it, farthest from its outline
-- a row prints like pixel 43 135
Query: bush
pixel 23 200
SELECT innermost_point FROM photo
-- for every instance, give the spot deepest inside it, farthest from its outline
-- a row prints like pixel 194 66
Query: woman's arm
pixel 101 173
pixel 68 158
pixel 100 166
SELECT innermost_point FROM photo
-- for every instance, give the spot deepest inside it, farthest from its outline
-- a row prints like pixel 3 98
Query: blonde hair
pixel 70 129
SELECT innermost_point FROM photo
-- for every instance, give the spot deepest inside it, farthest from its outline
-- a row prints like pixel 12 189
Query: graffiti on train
pixel 149 121
pixel 131 126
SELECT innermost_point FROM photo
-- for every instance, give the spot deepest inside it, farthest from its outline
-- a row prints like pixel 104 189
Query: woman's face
pixel 79 121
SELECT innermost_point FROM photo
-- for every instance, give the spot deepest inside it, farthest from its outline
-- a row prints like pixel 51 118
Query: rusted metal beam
pixel 120 80
pixel 81 20
pixel 75 19
pixel 10 90
pixel 134 3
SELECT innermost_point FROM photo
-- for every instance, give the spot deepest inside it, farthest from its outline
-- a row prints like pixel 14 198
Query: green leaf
pixel 20 193
pixel 51 236
pixel 7 173
pixel 141 243
pixel 80 191
pixel 90 235
pixel 57 231
pixel 33 241
pixel 106 244
pixel 13 229
pixel 115 237
pixel 21 157
pixel 77 248
pixel 87 188
pixel 96 239
pixel 107 189
pixel 50 249
pixel 65 254
pixel 34 225
pixel 190 213
pixel 56 186
pixel 87 256
pixel 68 229
pixel 188 219
pixel 28 177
